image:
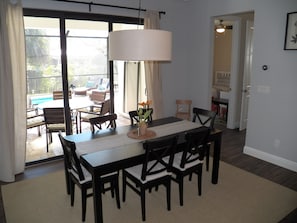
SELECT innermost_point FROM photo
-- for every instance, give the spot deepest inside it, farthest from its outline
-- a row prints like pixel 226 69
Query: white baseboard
pixel 288 164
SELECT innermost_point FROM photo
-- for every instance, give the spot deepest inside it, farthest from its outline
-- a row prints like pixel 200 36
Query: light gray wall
pixel 272 125
pixel 271 128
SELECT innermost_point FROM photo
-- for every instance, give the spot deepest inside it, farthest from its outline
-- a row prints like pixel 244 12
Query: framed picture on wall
pixel 291 32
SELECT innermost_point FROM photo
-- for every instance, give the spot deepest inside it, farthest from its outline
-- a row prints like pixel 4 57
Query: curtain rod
pixel 104 5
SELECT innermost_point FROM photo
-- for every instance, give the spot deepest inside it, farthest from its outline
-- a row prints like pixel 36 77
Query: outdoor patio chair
pixel 54 122
pixel 98 121
pixel 93 111
pixel 59 95
pixel 34 119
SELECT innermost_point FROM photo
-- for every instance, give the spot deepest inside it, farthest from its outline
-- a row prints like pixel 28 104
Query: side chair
pixel 154 171
pixel 134 118
pixel 183 109
pixel 76 174
pixel 190 159
pixel 205 118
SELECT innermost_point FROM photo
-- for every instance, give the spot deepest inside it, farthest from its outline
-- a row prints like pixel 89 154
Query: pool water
pixel 40 99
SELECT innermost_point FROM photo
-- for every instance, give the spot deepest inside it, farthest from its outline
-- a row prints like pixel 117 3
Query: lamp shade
pixel 140 45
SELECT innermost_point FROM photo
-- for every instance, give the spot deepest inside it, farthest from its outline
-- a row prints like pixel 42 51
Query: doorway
pixel 235 84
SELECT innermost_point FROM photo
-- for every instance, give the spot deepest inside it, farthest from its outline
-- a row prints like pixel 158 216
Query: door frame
pixel 245 94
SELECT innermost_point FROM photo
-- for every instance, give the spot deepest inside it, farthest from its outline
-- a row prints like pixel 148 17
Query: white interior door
pixel 246 75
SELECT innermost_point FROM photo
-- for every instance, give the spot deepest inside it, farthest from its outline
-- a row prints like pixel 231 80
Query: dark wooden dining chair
pixel 205 118
pixel 134 117
pixel 190 159
pixel 54 122
pixel 93 111
pixel 98 121
pixel 154 171
pixel 76 174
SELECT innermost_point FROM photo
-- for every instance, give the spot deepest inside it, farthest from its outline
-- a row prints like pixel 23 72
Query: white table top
pixel 74 103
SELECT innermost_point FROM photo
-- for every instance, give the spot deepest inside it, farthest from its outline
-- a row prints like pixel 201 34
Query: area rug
pixel 239 196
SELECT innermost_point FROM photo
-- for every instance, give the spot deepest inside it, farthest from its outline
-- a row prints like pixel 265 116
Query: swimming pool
pixel 36 100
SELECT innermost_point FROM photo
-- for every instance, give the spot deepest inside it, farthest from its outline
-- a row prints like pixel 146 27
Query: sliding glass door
pixel 69 51
pixel 44 76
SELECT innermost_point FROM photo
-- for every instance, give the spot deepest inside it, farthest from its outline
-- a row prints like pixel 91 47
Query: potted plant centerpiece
pixel 143 113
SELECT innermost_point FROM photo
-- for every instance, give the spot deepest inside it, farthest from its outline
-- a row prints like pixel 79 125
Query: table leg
pixel 227 113
pixel 97 197
pixel 216 158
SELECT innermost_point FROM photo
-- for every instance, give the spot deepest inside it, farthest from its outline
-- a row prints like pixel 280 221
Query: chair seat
pixel 35 121
pixel 87 116
pixel 56 127
pixel 87 174
pixel 136 172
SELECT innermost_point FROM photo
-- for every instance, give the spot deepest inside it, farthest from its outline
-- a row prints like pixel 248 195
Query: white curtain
pixel 152 70
pixel 12 90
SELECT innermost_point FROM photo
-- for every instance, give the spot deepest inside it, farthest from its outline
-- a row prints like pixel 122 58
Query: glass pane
pixel 86 53
pixel 43 56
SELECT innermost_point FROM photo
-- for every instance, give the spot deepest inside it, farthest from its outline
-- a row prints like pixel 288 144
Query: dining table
pixel 112 150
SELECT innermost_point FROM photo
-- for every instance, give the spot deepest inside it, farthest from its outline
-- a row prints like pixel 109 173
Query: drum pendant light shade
pixel 140 45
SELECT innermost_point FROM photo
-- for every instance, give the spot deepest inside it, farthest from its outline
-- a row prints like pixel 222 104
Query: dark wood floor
pixel 232 147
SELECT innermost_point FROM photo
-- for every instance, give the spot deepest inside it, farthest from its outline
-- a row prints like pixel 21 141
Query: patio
pixel 36 145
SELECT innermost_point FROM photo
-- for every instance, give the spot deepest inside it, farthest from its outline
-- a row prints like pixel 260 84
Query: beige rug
pixel 239 197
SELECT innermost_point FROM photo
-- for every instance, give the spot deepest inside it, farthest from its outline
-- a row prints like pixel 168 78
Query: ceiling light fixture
pixel 140 44
pixel 220 28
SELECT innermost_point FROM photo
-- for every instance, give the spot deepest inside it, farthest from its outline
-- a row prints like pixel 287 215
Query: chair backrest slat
pixel 205 117
pixel 97 121
pixel 53 115
pixel 155 150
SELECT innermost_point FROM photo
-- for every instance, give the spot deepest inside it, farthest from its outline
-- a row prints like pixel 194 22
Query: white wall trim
pixel 288 164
